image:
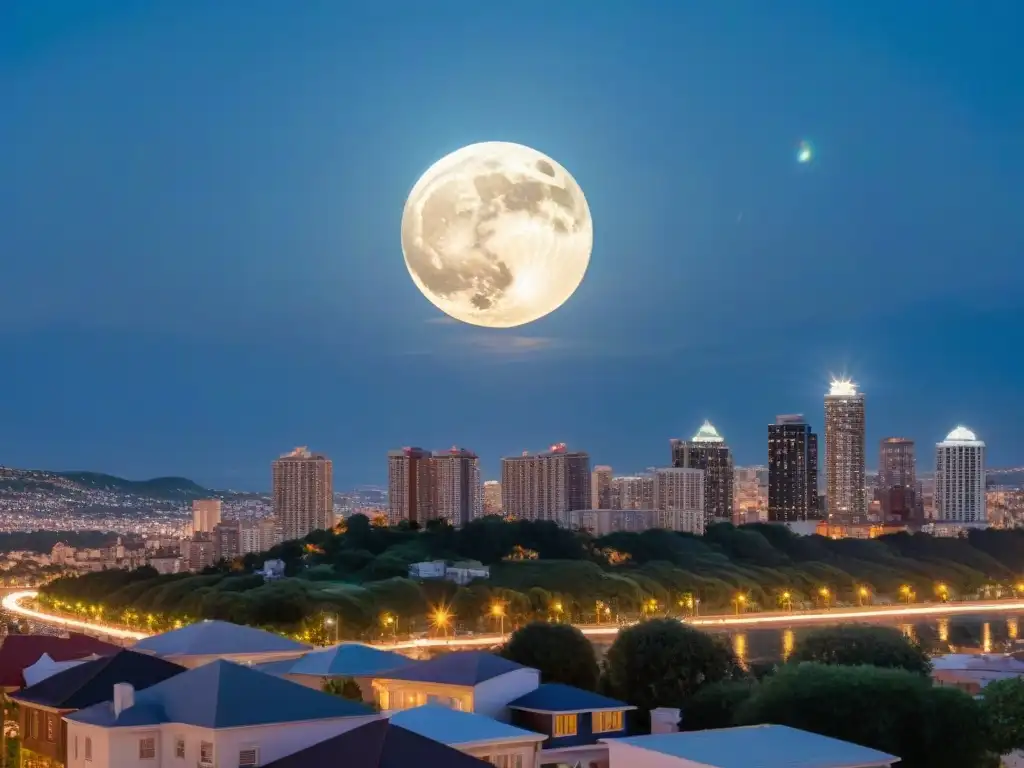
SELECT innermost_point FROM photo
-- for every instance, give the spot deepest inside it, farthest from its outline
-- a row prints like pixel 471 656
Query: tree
pixel 891 710
pixel 662 663
pixel 345 687
pixel 559 651
pixel 715 705
pixel 1002 702
pixel 856 644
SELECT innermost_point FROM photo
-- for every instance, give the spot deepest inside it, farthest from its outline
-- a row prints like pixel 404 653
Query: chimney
pixel 124 697
pixel 664 720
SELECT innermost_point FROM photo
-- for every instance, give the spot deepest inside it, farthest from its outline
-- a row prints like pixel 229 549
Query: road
pixel 13 604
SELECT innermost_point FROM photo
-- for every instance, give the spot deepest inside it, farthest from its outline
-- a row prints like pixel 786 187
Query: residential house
pixel 47 667
pixel 219 714
pixel 379 744
pixel 197 644
pixel 359 662
pixel 972 672
pixel 20 651
pixel 773 746
pixel 43 705
pixel 499 744
pixel 573 721
pixel 469 681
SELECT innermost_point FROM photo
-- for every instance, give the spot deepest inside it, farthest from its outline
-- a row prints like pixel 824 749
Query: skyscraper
pixel 792 470
pixel 455 484
pixel 679 499
pixel 492 497
pixel 960 480
pixel 707 451
pixel 897 480
pixel 409 483
pixel 546 486
pixel 844 454
pixel 205 515
pixel 632 492
pixel 303 493
pixel 601 487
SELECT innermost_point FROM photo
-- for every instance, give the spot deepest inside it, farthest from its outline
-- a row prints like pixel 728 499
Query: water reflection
pixel 986 637
pixel 788 640
pixel 739 647
pixel 1011 627
pixel 943 624
pixel 909 631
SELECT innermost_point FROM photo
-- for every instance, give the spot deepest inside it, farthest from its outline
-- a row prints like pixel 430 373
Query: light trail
pixel 12 603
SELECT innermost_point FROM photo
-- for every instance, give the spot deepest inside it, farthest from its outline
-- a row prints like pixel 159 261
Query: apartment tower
pixel 455 485
pixel 707 451
pixel 897 480
pixel 632 492
pixel 409 490
pixel 205 515
pixel 960 480
pixel 792 470
pixel 679 497
pixel 546 486
pixel 601 487
pixel 492 497
pixel 303 493
pixel 845 493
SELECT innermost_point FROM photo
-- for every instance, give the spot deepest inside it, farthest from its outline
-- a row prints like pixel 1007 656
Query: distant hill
pixel 168 488
pixel 95 487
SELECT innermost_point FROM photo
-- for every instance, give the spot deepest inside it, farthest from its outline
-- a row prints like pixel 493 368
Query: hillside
pixel 164 488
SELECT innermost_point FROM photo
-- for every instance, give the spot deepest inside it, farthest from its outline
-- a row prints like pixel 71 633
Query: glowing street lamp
pixel 906 593
pixel 740 601
pixel 441 619
pixel 826 595
pixel 787 600
pixel 862 594
pixel 556 608
pixel 388 620
pixel 498 612
pixel 942 591
pixel 332 620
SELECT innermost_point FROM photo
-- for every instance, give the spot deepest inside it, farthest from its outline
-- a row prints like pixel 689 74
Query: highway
pixel 13 604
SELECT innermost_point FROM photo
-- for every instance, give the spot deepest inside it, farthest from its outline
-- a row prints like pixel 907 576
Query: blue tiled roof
pixel 223 694
pixel 451 727
pixel 555 697
pixel 761 746
pixel 217 638
pixel 351 660
pixel 460 668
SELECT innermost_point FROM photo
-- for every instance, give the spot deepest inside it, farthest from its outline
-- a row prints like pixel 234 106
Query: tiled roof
pixel 555 697
pixel 460 668
pixel 20 651
pixel 760 746
pixel 223 694
pixel 93 681
pixel 217 638
pixel 349 660
pixel 459 728
pixel 379 744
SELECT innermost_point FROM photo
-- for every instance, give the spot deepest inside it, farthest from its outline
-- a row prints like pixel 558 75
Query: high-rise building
pixel 546 486
pixel 409 490
pixel 896 488
pixel 960 480
pixel 845 493
pixel 601 487
pixel 707 451
pixel 792 470
pixel 227 540
pixel 750 494
pixel 455 486
pixel 492 497
pixel 205 515
pixel 679 499
pixel 303 493
pixel 632 492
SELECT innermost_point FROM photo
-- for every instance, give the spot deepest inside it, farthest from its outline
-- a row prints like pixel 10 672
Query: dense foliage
pixel 560 651
pixel 1002 703
pixel 359 572
pixel 859 644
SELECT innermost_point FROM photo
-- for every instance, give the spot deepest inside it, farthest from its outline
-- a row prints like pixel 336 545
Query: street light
pixel 556 608
pixel 906 592
pixel 332 620
pixel 388 620
pixel 862 595
pixel 740 601
pixel 787 600
pixel 942 591
pixel 825 595
pixel 441 618
pixel 498 612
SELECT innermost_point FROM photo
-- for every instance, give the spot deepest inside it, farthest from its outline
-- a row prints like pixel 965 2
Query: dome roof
pixel 707 434
pixel 961 435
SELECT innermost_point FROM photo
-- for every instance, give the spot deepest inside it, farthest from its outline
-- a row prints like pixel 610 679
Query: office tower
pixel 227 540
pixel 205 515
pixel 844 454
pixel 632 492
pixel 896 488
pixel 750 495
pixel 455 486
pixel 546 486
pixel 250 537
pixel 792 470
pixel 960 479
pixel 601 487
pixel 199 553
pixel 707 451
pixel 303 493
pixel 409 488
pixel 492 497
pixel 679 499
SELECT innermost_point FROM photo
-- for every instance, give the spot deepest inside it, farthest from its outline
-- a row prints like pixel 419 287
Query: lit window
pixel 147 748
pixel 50 728
pixel 249 757
pixel 88 748
pixel 206 753
pixel 607 721
pixel 565 725
pixel 179 749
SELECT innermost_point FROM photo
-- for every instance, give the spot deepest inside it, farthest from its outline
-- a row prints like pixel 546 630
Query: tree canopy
pixel 1002 703
pixel 560 651
pixel 857 644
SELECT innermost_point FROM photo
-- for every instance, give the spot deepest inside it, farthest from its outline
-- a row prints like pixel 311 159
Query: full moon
pixel 497 234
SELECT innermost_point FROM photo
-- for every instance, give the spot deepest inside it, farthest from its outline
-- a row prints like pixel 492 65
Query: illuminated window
pixel 565 725
pixel 179 749
pixel 249 757
pixel 88 748
pixel 147 748
pixel 206 753
pixel 607 721
pixel 50 736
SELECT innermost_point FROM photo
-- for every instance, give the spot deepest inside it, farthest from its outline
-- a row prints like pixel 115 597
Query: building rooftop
pixel 223 694
pixel 217 638
pixel 556 697
pixel 345 660
pixel 707 434
pixel 92 682
pixel 760 746
pixel 842 388
pixel 20 651
pixel 459 668
pixel 379 744
pixel 454 728
pixel 961 435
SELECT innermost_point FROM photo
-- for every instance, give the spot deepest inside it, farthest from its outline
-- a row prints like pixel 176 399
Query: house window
pixel 35 724
pixel 249 757
pixel 147 748
pixel 505 761
pixel 179 748
pixel 88 749
pixel 206 753
pixel 605 722
pixel 384 698
pixel 565 725
pixel 50 728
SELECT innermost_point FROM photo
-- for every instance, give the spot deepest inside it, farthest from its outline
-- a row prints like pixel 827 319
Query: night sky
pixel 200 207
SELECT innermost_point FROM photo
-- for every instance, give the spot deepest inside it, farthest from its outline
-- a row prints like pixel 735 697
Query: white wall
pixel 626 756
pixel 527 750
pixel 491 697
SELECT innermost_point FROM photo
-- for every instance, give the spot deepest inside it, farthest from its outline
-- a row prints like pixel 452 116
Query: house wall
pixel 527 750
pixel 36 740
pixel 191 662
pixel 542 722
pixel 403 694
pixel 491 697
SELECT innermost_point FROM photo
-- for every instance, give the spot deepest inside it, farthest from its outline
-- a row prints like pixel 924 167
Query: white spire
pixel 707 434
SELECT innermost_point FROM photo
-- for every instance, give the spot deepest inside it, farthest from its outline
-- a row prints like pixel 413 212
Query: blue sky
pixel 200 207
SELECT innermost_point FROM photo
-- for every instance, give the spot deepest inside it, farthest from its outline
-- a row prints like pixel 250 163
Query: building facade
pixel 205 515
pixel 492 497
pixel 707 451
pixel 960 480
pixel 601 487
pixel 455 486
pixel 896 489
pixel 845 494
pixel 303 493
pixel 632 492
pixel 792 470
pixel 679 496
pixel 546 486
